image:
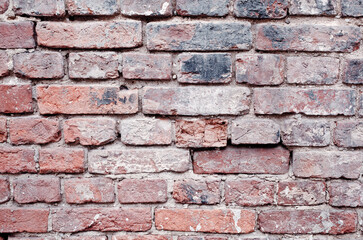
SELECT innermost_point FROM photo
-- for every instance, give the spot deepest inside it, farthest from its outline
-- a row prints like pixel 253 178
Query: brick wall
pixel 181 119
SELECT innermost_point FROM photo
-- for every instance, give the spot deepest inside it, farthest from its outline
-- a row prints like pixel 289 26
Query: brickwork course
pixel 181 120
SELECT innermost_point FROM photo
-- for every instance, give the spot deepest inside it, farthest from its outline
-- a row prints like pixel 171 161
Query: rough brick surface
pixel 139 237
pixel 3 130
pixel 352 8
pixel 17 35
pixel 17 160
pixel 16 99
pixel 260 8
pixel 14 220
pixel 158 8
pixel 4 64
pixel 39 7
pixel 349 134
pixel 344 193
pixel 92 7
pixel 61 160
pixel 197 192
pixel 353 71
pixel 142 191
pixel 4 190
pixel 205 8
pixel 4 4
pixel 315 7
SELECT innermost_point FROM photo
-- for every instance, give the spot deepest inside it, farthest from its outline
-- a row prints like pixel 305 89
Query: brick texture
pixel 197 192
pixel 17 35
pixel 142 191
pixel 16 99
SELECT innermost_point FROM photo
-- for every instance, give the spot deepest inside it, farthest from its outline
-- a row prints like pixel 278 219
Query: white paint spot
pixel 236 218
pixel 165 6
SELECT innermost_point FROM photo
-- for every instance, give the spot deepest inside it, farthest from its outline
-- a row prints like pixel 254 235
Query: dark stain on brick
pixel 261 8
pixel 109 96
pixel 354 71
pixel 277 36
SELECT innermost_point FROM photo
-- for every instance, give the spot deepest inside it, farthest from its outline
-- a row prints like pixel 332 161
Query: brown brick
pixel 147 7
pixel 261 9
pixel 352 8
pixel 37 189
pixel 202 220
pixel 242 160
pixel 4 4
pixel 93 65
pixel 101 219
pixel 331 164
pixel 14 220
pixel 16 99
pixel 17 35
pixel 353 71
pixel 346 193
pixel 17 160
pixel 3 130
pixel 4 63
pixel 349 133
pixel 141 237
pixel 201 133
pixel 317 8
pixel 70 99
pixel 39 8
pixel 197 192
pixel 61 160
pixel 142 191
pixel 92 7
pixel 89 190
pixel 202 8
pixel 91 35
pixel 4 190
pixel 34 130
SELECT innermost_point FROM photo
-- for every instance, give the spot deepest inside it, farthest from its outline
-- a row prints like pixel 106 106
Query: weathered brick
pixel 312 70
pixel 16 99
pixel 345 193
pixel 147 7
pixel 142 191
pixel 201 133
pixel 92 7
pixel 14 220
pixel 361 104
pixel 204 68
pixel 316 7
pixel 320 38
pixel 141 237
pixel 260 69
pixel 261 8
pixel 349 134
pixel 255 131
pixel 352 8
pixel 202 220
pixel 85 237
pixel 198 36
pixel 34 130
pixel 353 71
pixel 196 100
pixel 202 8
pixel 91 35
pixel 89 190
pixel 331 164
pixel 37 189
pixel 242 160
pixel 304 192
pixel 305 132
pixel 39 8
pixel 206 238
pixel 35 238
pixel 92 65
pixel 306 101
pixel 4 4
pixel 147 66
pixel 101 219
pixel 146 131
pixel 4 64
pixel 61 160
pixel 197 192
pixel 3 130
pixel 138 161
pixel 17 35
pixel 70 99
pixel 307 221
pixel 17 160
pixel 89 131
pixel 246 192
pixel 4 190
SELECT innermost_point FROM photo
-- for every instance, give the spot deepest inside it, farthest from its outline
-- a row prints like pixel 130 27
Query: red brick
pixel 93 65
pixel 202 220
pixel 33 238
pixel 147 7
pixel 57 99
pixel 205 238
pixel 146 131
pixel 92 7
pixel 17 35
pixel 260 69
pixel 196 100
pixel 312 70
pixel 307 221
pixel 261 9
pixel 4 190
pixel 142 191
pixel 349 134
pixel 255 131
pixel 16 98
pixel 245 192
pixel 61 160
pixel 301 193
pixel 101 219
pixel 89 190
pixel 23 220
pixel 353 71
pixel 39 8
pixel 346 193
pixel 147 66
pixel 352 8
pixel 3 130
pixel 202 8
pixel 361 104
pixel 242 160
pixel 91 35
pixel 89 131
pixel 201 133
pixel 140 237
pixel 4 63
pixel 37 189
pixel 331 164
pixel 305 133
pixel 17 160
pixel 197 192
pixel 138 161
pixel 4 4
pixel 310 38
pixel 306 7
pixel 306 101
pixel 34 130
